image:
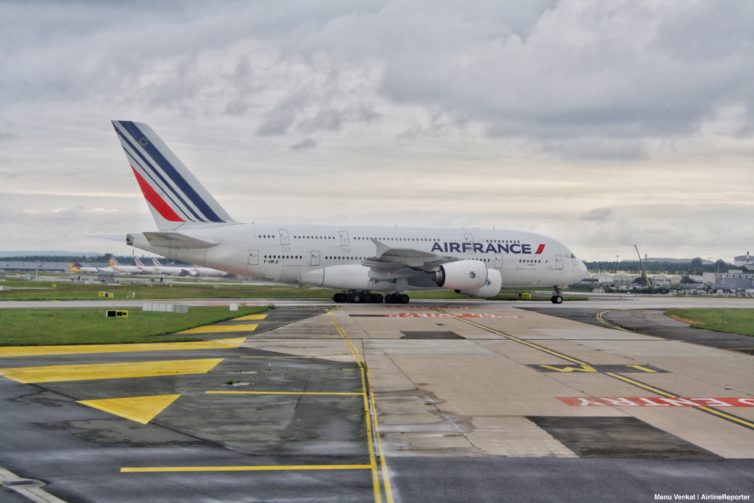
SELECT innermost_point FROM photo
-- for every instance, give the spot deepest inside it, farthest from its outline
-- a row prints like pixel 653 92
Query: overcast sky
pixel 600 123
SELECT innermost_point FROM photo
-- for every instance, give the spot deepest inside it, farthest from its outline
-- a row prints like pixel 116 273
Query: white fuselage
pixel 300 254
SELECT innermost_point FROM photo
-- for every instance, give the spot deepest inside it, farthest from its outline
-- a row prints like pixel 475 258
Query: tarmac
pixel 451 401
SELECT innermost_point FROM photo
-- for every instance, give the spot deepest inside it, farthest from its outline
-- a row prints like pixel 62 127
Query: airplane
pixel 76 268
pixel 170 270
pixel 146 269
pixel 362 261
pixel 124 269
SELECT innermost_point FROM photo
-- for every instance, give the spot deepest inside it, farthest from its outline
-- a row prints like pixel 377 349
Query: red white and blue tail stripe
pixel 175 197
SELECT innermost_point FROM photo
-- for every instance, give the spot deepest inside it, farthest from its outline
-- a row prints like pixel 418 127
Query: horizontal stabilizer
pixel 176 240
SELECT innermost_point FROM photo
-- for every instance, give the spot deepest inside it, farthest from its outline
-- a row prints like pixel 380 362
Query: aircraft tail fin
pixel 74 267
pixel 113 262
pixel 138 262
pixel 174 196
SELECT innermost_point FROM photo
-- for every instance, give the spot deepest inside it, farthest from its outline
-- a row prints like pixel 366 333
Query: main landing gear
pixel 556 298
pixel 363 297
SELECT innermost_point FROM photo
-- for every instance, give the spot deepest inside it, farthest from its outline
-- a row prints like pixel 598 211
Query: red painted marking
pixel 155 200
pixel 540 249
pixel 656 401
pixel 450 315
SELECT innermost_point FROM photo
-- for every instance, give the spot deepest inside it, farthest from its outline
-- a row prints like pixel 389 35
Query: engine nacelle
pixel 466 275
pixel 490 288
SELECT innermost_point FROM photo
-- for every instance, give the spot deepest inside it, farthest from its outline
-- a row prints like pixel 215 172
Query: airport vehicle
pixel 194 228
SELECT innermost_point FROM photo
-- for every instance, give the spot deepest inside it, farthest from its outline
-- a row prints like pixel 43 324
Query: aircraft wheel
pixel 357 298
pixel 340 298
pixel 375 298
pixel 556 299
pixel 403 298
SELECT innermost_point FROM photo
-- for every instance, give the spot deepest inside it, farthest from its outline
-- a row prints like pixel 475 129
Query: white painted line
pixel 28 488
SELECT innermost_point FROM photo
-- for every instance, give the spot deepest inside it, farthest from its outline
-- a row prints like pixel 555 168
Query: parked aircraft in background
pixel 194 228
pixel 170 270
pixel 76 268
pixel 146 269
pixel 124 269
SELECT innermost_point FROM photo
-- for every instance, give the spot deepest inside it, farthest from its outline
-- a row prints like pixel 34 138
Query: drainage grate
pixel 431 335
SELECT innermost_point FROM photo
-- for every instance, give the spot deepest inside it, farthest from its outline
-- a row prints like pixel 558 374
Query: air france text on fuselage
pixel 466 247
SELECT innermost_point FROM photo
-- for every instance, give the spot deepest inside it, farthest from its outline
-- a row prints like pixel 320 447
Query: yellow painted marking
pixel 215 329
pixel 20 351
pixel 261 468
pixel 370 446
pixel 251 317
pixel 609 324
pixel 322 393
pixel 58 373
pixel 370 412
pixel 141 409
pixel 566 369
pixel 642 368
pixel 383 459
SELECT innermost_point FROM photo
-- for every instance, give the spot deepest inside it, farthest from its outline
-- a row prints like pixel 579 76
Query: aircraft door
pixel 285 240
pixel 498 263
pixel 253 257
pixel 344 241
pixel 468 237
pixel 559 262
pixel 314 257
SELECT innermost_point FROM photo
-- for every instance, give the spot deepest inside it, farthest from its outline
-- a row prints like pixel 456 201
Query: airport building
pixel 744 261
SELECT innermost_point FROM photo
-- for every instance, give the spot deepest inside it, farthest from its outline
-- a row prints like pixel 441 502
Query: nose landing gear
pixel 556 298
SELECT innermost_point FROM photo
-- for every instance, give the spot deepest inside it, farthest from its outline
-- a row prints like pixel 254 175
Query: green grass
pixel 732 321
pixel 67 290
pixel 22 327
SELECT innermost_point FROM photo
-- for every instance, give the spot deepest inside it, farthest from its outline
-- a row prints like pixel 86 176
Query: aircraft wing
pixel 393 263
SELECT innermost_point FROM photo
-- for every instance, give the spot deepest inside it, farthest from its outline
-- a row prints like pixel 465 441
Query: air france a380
pixel 362 261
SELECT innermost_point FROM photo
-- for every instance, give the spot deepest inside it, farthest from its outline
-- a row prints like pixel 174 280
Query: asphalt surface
pixel 80 451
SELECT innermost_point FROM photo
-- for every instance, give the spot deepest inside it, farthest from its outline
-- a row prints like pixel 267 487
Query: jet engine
pixel 465 275
pixel 490 288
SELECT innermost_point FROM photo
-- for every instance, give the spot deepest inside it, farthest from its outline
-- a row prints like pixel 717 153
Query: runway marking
pixel 23 351
pixel 568 369
pixel 141 409
pixel 95 371
pixel 723 415
pixel 370 413
pixel 609 324
pixel 251 317
pixel 240 468
pixel 656 401
pixel 215 329
pixel 597 369
pixel 314 393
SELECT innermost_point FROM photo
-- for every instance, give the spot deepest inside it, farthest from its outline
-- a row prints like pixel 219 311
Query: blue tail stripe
pixel 174 175
pixel 146 172
pixel 157 173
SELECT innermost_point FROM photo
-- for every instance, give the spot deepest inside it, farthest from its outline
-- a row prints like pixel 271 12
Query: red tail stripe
pixel 540 249
pixel 155 200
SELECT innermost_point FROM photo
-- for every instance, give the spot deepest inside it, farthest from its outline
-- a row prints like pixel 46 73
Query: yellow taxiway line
pixel 251 317
pixel 141 409
pixel 89 372
pixel 216 329
pixel 319 393
pixel 241 468
pixel 81 349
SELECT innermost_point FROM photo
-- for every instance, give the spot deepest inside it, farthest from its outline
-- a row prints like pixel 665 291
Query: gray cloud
pixel 306 144
pixel 545 115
